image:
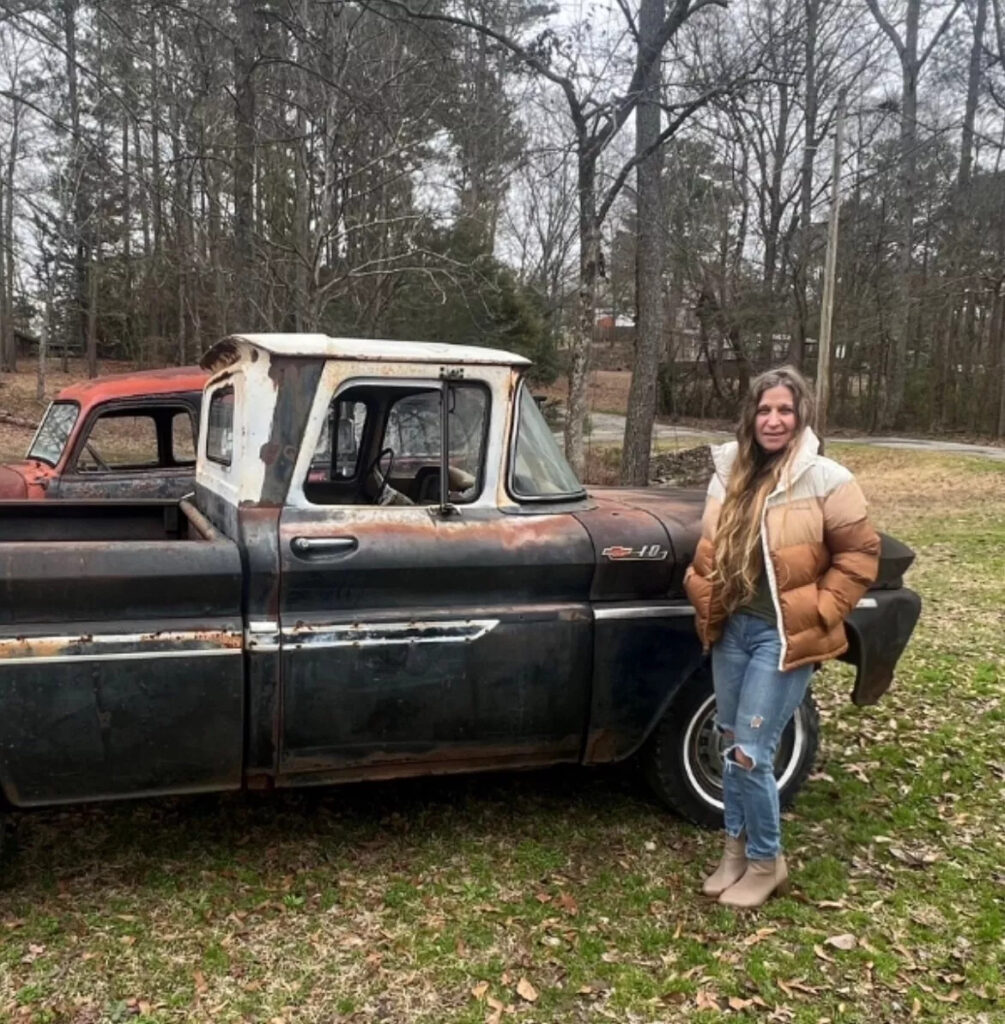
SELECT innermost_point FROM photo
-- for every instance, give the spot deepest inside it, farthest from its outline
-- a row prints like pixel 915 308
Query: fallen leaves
pixel 525 990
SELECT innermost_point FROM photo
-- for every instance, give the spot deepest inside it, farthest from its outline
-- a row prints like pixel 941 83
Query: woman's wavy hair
pixel 755 474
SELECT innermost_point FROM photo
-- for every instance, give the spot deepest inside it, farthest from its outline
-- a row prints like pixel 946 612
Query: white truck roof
pixel 225 352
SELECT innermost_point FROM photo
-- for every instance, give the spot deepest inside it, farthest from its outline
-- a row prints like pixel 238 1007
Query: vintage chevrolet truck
pixel 123 435
pixel 387 568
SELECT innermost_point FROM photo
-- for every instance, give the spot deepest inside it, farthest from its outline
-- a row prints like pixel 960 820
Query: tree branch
pixel 938 34
pixel 685 111
pixel 887 28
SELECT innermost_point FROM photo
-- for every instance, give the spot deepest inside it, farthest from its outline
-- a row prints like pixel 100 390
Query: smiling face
pixel 775 423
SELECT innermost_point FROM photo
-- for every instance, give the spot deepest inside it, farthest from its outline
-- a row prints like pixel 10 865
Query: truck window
pixel 182 438
pixel 119 441
pixel 388 442
pixel 54 432
pixel 220 427
pixel 538 471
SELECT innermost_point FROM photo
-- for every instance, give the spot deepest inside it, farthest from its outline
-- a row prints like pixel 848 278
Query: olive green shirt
pixel 760 605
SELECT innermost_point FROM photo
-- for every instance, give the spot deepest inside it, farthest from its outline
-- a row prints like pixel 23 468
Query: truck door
pixel 415 638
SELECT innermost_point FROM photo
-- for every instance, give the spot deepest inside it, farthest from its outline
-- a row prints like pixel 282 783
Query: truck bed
pixel 66 522
pixel 121 669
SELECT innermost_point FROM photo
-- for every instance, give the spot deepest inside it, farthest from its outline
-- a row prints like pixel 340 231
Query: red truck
pixel 126 435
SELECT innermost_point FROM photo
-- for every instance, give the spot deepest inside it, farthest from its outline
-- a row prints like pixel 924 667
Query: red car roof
pixel 135 385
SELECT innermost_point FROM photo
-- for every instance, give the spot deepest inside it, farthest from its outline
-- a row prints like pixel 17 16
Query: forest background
pixel 648 181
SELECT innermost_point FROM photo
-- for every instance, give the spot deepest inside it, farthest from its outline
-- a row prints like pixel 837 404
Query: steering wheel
pixel 93 452
pixel 374 468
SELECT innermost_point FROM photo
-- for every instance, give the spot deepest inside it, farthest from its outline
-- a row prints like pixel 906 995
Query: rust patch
pixel 224 353
pixel 601 746
pixel 88 644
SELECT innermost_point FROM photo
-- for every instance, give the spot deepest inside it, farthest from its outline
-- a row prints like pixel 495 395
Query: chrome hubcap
pixel 703 752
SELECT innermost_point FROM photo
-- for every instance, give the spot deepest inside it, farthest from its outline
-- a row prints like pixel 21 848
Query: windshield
pixel 539 469
pixel 50 441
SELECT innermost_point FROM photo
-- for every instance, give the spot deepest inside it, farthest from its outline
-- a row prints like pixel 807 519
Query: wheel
pixel 683 758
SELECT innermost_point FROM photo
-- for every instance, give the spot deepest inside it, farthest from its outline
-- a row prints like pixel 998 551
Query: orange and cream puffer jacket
pixel 820 553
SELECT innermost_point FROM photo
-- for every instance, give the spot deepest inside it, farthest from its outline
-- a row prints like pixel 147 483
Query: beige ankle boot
pixel 730 869
pixel 759 881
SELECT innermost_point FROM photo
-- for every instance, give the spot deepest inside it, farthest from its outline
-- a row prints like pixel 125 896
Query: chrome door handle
pixel 319 547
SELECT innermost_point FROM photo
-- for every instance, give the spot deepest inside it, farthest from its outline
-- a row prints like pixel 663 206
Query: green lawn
pixel 570 895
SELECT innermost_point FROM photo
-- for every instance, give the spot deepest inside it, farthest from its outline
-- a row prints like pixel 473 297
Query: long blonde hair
pixel 755 474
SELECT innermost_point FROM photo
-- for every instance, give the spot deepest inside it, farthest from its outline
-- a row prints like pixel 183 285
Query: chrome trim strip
pixel 206 652
pixel 45 650
pixel 438 632
pixel 645 611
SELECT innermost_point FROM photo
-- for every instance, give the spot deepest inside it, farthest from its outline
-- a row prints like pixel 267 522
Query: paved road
pixel 610 427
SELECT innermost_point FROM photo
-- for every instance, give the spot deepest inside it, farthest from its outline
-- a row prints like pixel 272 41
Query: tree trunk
pixel 46 334
pixel 128 299
pixel 903 313
pixel 579 356
pixel 797 347
pixel 973 90
pixel 648 262
pixel 5 317
pixel 92 312
pixel 79 215
pixel 245 48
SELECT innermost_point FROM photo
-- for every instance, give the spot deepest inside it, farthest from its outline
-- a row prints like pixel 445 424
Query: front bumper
pixel 878 631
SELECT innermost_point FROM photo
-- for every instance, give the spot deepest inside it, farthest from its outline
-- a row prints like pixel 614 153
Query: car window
pixel 54 432
pixel 119 441
pixel 183 437
pixel 404 426
pixel 539 470
pixel 414 433
pixel 220 427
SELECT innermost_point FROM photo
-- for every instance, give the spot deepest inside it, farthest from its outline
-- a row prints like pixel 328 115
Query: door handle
pixel 323 547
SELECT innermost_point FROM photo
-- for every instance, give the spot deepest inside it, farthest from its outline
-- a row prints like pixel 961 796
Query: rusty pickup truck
pixel 387 569
pixel 123 435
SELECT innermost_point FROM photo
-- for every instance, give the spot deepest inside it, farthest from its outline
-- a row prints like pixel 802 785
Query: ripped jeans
pixel 754 702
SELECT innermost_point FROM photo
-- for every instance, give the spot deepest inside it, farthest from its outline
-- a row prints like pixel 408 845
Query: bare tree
pixel 912 57
pixel 648 254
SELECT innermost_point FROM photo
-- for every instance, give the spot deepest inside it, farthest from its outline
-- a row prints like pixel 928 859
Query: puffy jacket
pixel 820 553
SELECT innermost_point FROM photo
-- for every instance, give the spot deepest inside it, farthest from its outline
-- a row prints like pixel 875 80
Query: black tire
pixel 683 764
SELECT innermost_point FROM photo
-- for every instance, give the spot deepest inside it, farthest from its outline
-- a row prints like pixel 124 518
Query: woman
pixel 785 554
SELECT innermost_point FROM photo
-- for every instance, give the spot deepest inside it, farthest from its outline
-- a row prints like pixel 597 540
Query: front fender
pixel 878 631
pixel 642 655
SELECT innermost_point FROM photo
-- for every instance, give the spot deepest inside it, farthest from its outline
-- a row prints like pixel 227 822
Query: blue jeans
pixel 754 702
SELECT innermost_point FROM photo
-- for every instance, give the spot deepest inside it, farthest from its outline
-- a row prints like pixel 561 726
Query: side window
pixel 119 441
pixel 382 445
pixel 414 434
pixel 182 437
pixel 220 427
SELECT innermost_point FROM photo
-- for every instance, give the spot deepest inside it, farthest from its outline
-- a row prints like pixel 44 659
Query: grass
pixel 569 895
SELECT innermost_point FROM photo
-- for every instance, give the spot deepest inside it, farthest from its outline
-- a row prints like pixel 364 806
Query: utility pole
pixel 830 273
